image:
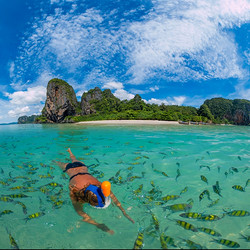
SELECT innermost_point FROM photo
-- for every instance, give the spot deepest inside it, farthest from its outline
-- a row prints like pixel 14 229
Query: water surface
pixel 140 154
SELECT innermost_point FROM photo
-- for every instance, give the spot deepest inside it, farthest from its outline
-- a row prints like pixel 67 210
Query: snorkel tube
pixel 106 187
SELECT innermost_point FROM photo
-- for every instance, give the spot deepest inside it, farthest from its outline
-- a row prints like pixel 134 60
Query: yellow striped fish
pixel 203 193
pixel 191 215
pixel 164 174
pixel 170 197
pixel 23 206
pixel 138 190
pixel 238 187
pixel 54 184
pixel 45 176
pixel 18 187
pixel 247 183
pixel 6 199
pixel 139 241
pixel 203 178
pixel 213 203
pixel 17 195
pixel 4 183
pixel 58 204
pixel 137 158
pixel 155 221
pixel 209 217
pixel 186 225
pixel 163 242
pixel 209 231
pixel 184 190
pixel 192 244
pixel 238 213
pixel 217 190
pixel 152 183
pixel 35 215
pixel 6 212
pixel 12 240
pixel 227 243
pixel 178 207
pixel 169 240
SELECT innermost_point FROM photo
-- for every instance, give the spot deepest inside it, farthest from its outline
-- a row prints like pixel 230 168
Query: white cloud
pixel 242 91
pixel 61 1
pixel 11 69
pixel 119 92
pixel 31 96
pixel 184 40
pixel 113 85
pixel 153 89
pixel 80 92
pixel 178 40
pixel 123 94
pixel 179 100
pixel 176 100
pixel 19 111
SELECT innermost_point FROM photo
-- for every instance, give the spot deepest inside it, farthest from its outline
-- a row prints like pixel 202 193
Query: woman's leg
pixel 72 157
pixel 62 165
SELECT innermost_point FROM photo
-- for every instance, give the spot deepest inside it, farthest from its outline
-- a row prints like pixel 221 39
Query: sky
pixel 176 52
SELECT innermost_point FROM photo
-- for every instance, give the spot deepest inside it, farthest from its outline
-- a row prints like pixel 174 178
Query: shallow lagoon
pixel 143 151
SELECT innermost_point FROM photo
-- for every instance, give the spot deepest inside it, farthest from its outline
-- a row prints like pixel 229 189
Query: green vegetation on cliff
pixel 216 110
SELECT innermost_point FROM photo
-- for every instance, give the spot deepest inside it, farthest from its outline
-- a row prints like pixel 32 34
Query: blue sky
pixel 174 52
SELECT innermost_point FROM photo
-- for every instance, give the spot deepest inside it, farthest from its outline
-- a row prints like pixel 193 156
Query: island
pixel 62 106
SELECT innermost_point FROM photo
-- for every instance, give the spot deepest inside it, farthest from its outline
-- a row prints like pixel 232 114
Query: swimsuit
pixel 78 174
pixel 75 164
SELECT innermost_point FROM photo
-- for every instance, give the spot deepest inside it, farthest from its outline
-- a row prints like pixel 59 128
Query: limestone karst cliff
pixel 60 102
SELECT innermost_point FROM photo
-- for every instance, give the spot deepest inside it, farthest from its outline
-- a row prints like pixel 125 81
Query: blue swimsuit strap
pixel 98 192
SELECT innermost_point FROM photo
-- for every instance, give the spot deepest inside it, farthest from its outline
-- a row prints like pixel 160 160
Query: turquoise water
pixel 220 153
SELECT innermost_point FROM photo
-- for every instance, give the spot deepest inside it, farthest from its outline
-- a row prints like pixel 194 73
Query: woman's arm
pixel 78 208
pixel 118 204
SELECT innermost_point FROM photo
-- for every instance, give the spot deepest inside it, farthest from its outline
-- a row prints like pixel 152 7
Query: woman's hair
pixel 88 197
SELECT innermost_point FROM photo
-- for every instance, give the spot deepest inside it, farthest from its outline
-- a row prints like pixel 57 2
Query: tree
pixel 205 111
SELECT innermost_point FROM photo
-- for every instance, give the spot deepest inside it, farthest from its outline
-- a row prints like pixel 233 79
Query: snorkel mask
pixel 101 193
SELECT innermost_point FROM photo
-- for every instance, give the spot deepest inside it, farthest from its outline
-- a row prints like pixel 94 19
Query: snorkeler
pixel 85 188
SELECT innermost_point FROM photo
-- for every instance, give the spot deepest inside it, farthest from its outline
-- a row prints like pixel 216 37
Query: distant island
pixel 61 106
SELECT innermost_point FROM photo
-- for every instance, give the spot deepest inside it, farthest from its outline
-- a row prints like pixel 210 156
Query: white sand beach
pixel 129 122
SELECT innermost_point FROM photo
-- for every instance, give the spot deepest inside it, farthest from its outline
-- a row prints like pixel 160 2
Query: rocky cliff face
pixel 60 102
pixel 88 99
pixel 241 112
pixel 27 119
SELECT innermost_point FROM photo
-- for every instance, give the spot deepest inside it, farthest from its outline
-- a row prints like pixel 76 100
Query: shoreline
pixel 128 122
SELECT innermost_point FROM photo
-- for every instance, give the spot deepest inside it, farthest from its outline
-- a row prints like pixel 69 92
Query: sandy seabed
pixel 130 122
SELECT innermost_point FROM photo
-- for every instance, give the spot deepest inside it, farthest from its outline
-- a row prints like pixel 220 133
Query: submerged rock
pixel 60 102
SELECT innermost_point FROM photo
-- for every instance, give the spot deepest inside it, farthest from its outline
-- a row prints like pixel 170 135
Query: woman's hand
pixel 126 215
pixel 104 228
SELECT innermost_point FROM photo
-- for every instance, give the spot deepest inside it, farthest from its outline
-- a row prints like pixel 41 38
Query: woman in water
pixel 84 188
